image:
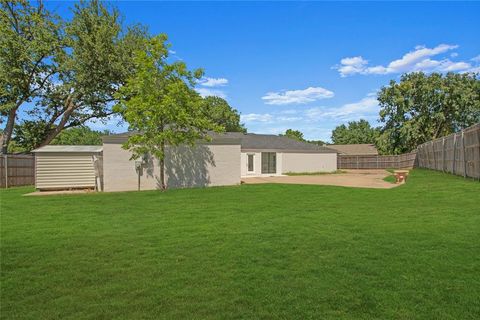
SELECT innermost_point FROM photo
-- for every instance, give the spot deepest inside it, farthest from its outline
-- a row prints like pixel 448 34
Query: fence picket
pixel 462 158
pixel 17 170
pixel 376 161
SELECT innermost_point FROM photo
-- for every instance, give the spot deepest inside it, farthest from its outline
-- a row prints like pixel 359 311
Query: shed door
pixel 269 162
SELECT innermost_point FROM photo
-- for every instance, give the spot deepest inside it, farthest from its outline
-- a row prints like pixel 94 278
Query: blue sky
pixel 308 65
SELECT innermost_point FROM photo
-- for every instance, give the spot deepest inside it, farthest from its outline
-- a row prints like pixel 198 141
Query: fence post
pixel 420 156
pixel 464 155
pixel 434 157
pixel 443 154
pixel 357 162
pixel 6 171
pixel 424 156
pixel 454 152
pixel 427 152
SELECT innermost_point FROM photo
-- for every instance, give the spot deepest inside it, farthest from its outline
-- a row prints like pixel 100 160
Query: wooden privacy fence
pixel 458 153
pixel 402 161
pixel 17 170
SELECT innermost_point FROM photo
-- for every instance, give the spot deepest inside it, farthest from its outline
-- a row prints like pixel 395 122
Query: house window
pixel 250 162
pixel 269 162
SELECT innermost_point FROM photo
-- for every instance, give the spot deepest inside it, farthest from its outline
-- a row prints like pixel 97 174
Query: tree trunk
pixel 7 133
pixel 162 168
pixel 54 132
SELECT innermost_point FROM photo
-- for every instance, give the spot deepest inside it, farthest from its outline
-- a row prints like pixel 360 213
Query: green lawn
pixel 245 252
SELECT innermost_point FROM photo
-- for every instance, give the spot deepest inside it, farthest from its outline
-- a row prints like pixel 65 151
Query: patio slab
pixel 351 178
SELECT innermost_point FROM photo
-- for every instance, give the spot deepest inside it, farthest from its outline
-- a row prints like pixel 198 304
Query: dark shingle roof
pixel 249 142
pixel 265 142
pixel 216 138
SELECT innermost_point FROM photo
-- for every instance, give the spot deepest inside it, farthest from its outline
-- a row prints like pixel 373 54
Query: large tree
pixel 220 112
pixel 423 107
pixel 293 134
pixel 81 135
pixel 355 132
pixel 317 142
pixel 95 63
pixel 160 104
pixel 80 66
pixel 31 38
pixel 26 136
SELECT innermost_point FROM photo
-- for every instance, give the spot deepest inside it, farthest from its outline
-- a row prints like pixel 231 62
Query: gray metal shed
pixel 68 167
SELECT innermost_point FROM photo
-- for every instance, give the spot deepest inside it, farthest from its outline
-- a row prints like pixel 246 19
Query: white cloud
pixel 297 96
pixel 208 87
pixel 420 59
pixel 365 108
pixel 352 65
pixel 474 69
pixel 288 119
pixel 213 82
pixel 289 111
pixel 476 59
pixel 315 123
pixel 447 65
pixel 410 59
pixel 275 118
pixel 256 117
pixel 206 92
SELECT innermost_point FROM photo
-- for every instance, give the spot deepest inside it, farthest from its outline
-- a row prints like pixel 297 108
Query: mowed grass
pixel 245 252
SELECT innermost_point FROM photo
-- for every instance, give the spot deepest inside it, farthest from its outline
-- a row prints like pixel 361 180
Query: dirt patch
pixel 351 178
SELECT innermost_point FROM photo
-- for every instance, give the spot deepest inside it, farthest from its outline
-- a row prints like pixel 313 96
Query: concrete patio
pixel 351 178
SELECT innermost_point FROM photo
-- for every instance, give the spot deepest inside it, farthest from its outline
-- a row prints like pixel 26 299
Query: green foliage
pixel 221 113
pixel 268 251
pixel 159 103
pixel 356 132
pixel 31 38
pixel 294 134
pixel 71 70
pixel 95 63
pixel 317 142
pixel 80 136
pixel 423 107
pixel 28 134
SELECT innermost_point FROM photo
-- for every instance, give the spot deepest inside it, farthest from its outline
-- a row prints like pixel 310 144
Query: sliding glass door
pixel 269 162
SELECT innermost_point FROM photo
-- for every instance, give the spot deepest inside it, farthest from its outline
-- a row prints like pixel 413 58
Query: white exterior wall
pixel 199 166
pixel 64 170
pixel 309 162
pixel 291 162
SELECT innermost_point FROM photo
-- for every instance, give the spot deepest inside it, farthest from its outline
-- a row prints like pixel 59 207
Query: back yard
pixel 252 251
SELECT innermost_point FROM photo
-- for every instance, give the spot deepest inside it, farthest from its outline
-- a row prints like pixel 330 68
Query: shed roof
pixel 355 149
pixel 65 148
